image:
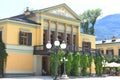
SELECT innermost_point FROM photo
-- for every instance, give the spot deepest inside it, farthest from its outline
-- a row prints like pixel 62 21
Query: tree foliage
pixel 98 59
pixel 84 64
pixel 90 59
pixel 69 63
pixel 3 58
pixel 75 64
pixel 53 61
pixel 88 19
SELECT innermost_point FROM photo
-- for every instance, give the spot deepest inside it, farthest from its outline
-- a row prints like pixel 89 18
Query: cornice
pixel 69 20
pixel 19 23
pixel 87 35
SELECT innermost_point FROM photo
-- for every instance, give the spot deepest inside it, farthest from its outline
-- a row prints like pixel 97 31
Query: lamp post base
pixel 64 77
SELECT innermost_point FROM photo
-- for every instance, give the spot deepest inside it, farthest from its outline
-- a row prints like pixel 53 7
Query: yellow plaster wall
pixel 13 33
pixel 19 62
pixel 88 38
pixel 114 46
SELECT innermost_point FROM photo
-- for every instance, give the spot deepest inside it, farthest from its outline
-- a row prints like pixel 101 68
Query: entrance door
pixel 45 65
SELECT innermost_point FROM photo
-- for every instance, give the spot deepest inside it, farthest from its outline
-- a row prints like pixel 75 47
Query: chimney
pixel 113 39
pixel 27 11
pixel 103 41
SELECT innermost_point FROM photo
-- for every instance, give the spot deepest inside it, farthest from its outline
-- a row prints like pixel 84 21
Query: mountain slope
pixel 108 27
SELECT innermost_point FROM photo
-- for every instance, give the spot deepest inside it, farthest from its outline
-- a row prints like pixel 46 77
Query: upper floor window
pixel 25 38
pixel 0 35
pixel 86 46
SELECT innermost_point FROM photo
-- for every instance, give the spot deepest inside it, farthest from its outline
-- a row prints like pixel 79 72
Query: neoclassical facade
pixel 26 35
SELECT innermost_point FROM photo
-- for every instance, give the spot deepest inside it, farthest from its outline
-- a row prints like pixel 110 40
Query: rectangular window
pixel 25 38
pixel 119 52
pixel 102 51
pixel 110 53
pixel 0 35
pixel 86 46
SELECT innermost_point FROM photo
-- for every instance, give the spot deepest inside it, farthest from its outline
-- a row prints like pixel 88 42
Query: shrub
pixel 69 56
pixel 84 64
pixel 75 64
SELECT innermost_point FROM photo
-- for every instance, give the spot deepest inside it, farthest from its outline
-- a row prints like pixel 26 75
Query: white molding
pixel 18 72
pixel 20 23
pixel 87 35
pixel 19 49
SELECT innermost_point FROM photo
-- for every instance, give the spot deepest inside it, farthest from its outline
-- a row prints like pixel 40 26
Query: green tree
pixel 53 61
pixel 84 64
pixel 88 19
pixel 90 58
pixel 75 64
pixel 61 55
pixel 3 58
pixel 98 59
pixel 69 56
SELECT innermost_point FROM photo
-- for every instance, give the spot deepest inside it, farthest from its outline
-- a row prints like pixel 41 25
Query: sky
pixel 15 7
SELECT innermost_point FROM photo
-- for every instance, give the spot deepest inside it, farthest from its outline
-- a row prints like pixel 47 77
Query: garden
pixel 78 64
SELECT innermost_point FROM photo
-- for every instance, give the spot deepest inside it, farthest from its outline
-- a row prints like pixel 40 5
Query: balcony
pixel 42 50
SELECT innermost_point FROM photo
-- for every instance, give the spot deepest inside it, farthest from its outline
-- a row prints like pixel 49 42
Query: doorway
pixel 45 65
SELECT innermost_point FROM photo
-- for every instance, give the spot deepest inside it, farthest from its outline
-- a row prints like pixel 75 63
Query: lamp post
pixel 64 75
pixel 104 63
pixel 56 44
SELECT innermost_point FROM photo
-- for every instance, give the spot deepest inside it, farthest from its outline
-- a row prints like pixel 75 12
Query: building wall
pixel 13 30
pixel 88 38
pixel 114 46
pixel 19 63
pixel 20 58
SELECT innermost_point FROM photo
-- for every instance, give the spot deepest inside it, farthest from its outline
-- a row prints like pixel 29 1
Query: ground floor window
pixel 110 53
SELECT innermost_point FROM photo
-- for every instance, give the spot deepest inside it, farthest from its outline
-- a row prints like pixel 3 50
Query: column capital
pixel 71 26
pixel 49 21
pixel 65 24
pixel 56 22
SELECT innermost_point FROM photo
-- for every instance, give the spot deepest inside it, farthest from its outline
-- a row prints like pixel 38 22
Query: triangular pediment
pixel 61 10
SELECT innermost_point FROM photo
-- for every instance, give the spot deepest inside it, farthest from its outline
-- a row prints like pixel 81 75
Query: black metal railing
pixel 42 50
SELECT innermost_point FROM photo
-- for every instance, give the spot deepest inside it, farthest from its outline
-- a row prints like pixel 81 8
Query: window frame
pixel 110 53
pixel 86 46
pixel 24 38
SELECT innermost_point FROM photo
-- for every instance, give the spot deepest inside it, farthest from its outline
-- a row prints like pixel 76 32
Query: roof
pixel 108 41
pixel 23 18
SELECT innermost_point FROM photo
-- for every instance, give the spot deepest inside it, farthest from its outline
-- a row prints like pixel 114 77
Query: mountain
pixel 108 27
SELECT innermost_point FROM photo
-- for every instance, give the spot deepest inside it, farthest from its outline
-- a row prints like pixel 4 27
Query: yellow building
pixel 110 48
pixel 26 35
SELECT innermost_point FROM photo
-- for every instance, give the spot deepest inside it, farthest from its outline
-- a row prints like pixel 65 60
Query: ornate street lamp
pixel 64 75
pixel 104 63
pixel 56 44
